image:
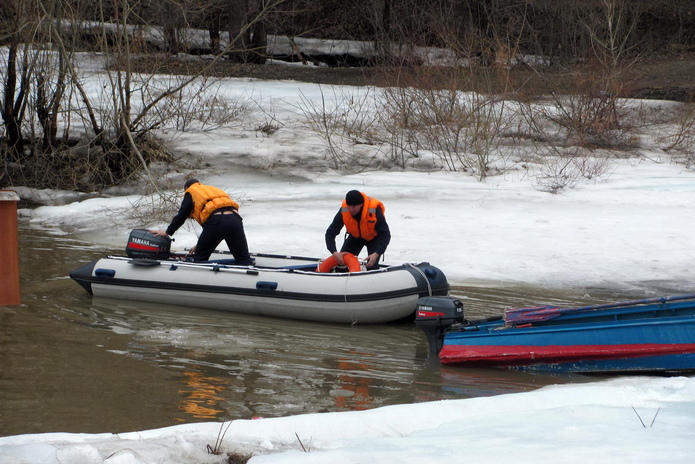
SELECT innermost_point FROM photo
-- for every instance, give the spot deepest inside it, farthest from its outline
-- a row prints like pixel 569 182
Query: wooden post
pixel 9 249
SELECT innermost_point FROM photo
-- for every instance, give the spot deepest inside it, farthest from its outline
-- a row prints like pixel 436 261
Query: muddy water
pixel 73 363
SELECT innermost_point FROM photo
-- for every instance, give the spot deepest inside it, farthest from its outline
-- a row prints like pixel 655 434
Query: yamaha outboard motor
pixel 143 244
pixel 435 314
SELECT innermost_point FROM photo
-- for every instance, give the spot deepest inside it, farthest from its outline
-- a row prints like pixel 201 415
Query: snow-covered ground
pixel 630 230
pixel 625 420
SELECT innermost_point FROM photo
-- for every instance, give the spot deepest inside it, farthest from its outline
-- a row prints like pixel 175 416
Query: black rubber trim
pixel 225 290
pixel 83 276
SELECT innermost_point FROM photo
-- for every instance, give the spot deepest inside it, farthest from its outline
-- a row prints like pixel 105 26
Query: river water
pixel 73 363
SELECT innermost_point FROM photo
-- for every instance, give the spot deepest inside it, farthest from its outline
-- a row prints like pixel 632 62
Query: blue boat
pixel 641 336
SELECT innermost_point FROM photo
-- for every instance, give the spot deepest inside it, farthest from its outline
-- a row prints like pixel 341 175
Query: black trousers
pixel 227 227
pixel 354 245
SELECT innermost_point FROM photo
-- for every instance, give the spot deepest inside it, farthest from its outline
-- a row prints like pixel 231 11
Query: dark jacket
pixel 376 245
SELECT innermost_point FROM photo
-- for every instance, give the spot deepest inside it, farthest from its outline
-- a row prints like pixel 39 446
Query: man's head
pixel 354 201
pixel 190 182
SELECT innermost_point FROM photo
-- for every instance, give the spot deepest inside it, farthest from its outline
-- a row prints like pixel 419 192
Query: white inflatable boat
pixel 276 286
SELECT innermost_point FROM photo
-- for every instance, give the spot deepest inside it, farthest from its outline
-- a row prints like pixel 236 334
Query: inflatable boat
pixel 277 286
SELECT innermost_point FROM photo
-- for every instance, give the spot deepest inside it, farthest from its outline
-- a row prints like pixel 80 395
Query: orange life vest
pixel 366 227
pixel 207 199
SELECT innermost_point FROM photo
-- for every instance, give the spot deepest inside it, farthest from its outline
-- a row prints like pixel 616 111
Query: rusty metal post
pixel 9 249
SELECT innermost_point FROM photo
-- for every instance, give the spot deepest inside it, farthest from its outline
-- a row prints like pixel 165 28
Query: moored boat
pixel 276 285
pixel 651 335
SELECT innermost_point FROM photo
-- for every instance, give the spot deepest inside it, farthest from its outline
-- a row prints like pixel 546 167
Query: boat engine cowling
pixel 143 244
pixel 434 315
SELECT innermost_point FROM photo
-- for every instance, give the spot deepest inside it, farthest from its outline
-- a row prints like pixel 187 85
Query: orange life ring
pixel 327 265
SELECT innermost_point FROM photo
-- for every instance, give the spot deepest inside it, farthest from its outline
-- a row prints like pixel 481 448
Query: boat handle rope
pixel 345 300
pixel 429 287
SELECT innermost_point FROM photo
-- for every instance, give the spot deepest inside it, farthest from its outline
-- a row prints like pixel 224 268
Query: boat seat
pixel 301 267
pixel 232 262
pixel 298 267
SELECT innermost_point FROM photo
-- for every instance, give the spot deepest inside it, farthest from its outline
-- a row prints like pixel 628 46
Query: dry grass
pixel 238 458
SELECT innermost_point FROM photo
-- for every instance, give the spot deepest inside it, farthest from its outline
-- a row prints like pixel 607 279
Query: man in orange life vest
pixel 364 221
pixel 219 216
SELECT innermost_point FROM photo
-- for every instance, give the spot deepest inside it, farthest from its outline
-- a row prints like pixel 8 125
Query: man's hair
pixel 190 182
pixel 354 198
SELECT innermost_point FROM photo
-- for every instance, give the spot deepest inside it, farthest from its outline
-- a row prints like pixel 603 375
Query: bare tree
pixel 18 21
pixel 173 20
pixel 43 90
pixel 611 30
pixel 239 31
pixel 214 15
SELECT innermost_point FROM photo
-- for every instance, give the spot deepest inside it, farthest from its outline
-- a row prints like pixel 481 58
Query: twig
pixel 300 442
pixel 657 413
pixel 219 439
pixel 638 416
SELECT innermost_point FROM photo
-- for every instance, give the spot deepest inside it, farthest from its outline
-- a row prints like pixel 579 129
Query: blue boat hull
pixel 676 363
pixel 653 337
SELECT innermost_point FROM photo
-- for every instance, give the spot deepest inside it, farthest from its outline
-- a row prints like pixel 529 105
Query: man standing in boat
pixel 363 218
pixel 218 215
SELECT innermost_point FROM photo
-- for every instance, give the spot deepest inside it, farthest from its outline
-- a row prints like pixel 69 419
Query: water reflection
pixel 241 366
pixel 267 367
pixel 201 399
pixel 351 393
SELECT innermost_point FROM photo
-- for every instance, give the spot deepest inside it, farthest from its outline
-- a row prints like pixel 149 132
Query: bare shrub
pixel 197 107
pixel 399 134
pixel 562 169
pixel 593 166
pixel 343 122
pixel 681 139
pixel 153 208
pixel 591 113
pixel 464 129
pixel 270 125
pixel 238 458
pixel 592 118
pixel 594 113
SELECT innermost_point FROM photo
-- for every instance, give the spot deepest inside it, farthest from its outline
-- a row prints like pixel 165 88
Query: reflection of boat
pixel 278 286
pixel 652 335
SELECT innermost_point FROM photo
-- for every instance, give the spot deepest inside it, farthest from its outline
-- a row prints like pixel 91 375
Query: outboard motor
pixel 143 244
pixel 434 315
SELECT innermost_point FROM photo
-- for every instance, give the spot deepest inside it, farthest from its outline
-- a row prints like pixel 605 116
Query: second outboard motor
pixel 434 315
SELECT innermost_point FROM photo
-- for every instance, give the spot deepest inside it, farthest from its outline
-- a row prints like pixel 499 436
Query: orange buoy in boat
pixel 327 265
